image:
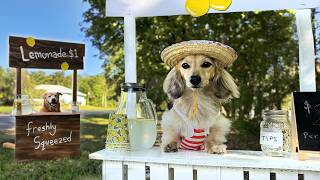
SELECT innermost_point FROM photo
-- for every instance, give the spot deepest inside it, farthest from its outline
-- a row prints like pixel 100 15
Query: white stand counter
pixel 194 165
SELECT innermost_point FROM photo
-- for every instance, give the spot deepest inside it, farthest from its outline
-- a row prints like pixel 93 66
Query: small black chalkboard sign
pixel 307 119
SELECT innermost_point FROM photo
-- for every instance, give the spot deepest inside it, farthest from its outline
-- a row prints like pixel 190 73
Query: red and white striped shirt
pixel 195 142
pixel 195 136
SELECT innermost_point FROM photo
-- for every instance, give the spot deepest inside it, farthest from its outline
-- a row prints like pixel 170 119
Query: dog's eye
pixel 206 65
pixel 49 96
pixel 185 66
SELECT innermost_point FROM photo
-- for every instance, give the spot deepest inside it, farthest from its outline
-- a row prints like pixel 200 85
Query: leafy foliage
pixel 6 86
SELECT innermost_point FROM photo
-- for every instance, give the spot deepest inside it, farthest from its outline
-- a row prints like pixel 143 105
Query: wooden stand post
pixel 18 82
pixel 74 91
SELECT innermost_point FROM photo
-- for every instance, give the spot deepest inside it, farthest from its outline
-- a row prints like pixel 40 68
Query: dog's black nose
pixel 195 80
pixel 53 100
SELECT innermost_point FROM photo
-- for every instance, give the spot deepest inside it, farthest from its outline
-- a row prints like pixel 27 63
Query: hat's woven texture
pixel 176 52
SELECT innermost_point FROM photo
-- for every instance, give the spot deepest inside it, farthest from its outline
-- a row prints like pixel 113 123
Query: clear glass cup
pixel 22 105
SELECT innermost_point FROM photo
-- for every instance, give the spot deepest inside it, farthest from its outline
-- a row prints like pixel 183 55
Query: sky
pixel 57 20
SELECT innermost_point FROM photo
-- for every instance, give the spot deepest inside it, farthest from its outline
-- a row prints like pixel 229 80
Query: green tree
pixel 266 70
pixel 59 78
pixel 40 77
pixel 96 89
pixel 7 86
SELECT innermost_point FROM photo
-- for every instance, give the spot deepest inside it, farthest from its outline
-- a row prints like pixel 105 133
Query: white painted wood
pixel 159 171
pixel 205 173
pixel 143 8
pixel 130 62
pixel 235 158
pixel 112 170
pixel 259 174
pixel 130 49
pixel 136 171
pixel 311 175
pixel 183 172
pixel 306 51
pixel 286 174
pixel 228 173
pixel 104 170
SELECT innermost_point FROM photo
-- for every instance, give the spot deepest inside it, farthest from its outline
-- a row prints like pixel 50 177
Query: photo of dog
pixel 198 85
pixel 51 102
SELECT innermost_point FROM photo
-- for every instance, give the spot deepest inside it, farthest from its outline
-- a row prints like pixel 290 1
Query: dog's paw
pixel 171 147
pixel 217 149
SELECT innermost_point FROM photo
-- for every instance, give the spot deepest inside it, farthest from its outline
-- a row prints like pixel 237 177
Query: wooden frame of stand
pixel 60 136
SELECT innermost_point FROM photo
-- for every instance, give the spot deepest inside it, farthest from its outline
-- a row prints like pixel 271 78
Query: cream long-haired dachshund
pixel 198 85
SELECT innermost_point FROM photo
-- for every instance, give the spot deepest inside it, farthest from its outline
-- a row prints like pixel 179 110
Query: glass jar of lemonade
pixel 135 120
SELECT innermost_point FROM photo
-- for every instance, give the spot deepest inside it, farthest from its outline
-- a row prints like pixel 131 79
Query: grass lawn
pixel 5 109
pixel 92 139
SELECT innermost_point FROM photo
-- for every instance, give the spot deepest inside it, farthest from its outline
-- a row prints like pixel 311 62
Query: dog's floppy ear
pixel 174 84
pixel 224 87
pixel 59 94
pixel 44 95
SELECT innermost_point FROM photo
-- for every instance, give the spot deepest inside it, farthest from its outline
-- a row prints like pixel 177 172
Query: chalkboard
pixel 44 54
pixel 43 136
pixel 307 120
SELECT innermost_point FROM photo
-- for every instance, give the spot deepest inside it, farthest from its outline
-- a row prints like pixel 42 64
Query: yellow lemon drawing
pixel 197 8
pixel 220 5
pixel 64 66
pixel 30 41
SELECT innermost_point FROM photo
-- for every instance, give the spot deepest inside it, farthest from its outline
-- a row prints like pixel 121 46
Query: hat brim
pixel 224 54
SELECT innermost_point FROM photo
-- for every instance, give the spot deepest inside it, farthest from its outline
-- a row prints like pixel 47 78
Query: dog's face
pixel 52 98
pixel 196 70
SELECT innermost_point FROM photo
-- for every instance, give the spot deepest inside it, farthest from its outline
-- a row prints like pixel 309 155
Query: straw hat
pixel 176 52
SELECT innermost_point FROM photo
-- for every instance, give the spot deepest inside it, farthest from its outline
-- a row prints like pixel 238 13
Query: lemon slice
pixel 220 5
pixel 30 41
pixel 64 66
pixel 197 8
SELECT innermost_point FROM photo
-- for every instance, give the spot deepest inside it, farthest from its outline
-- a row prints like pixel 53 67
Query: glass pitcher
pixel 135 119
pixel 22 105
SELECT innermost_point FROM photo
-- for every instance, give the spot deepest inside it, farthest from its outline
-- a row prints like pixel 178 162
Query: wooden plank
pixel 120 8
pixel 182 172
pixel 286 174
pixel 47 136
pixel 74 87
pixel 136 171
pixel 204 173
pixel 311 175
pixel 130 49
pixel 159 171
pixel 18 82
pixel 112 170
pixel 234 158
pixel 231 173
pixel 44 54
pixel 259 174
pixel 306 51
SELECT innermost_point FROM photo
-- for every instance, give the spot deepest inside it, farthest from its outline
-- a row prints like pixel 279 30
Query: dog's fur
pixel 216 87
pixel 51 102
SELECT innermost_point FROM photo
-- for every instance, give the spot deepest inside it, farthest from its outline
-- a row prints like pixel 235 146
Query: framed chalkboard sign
pixel 306 113
pixel 42 136
pixel 27 52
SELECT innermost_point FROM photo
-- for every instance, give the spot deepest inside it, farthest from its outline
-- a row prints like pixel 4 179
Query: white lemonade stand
pixel 188 165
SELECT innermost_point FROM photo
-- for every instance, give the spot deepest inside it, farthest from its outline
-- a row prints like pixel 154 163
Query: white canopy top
pixel 145 8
